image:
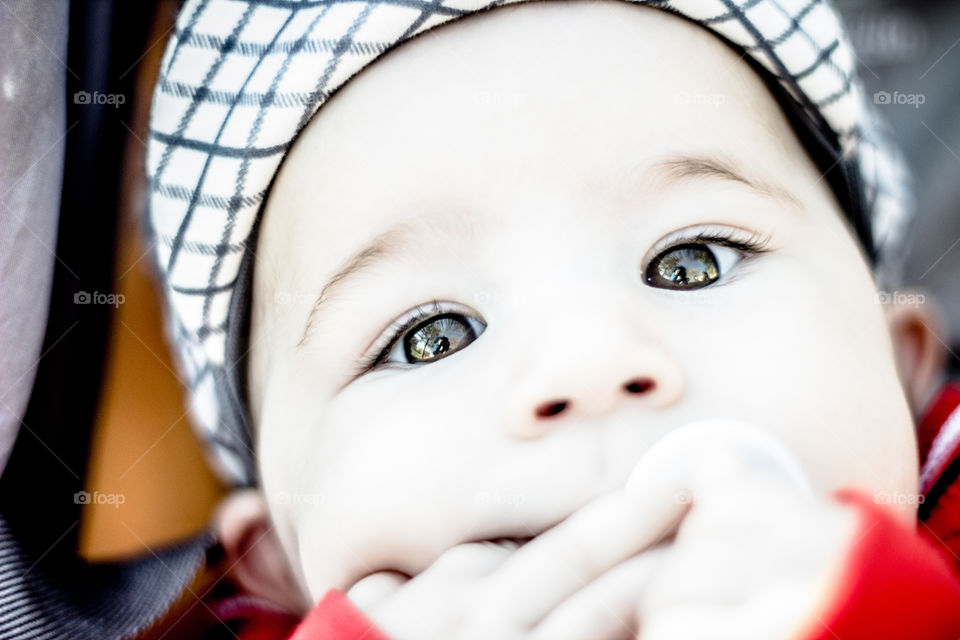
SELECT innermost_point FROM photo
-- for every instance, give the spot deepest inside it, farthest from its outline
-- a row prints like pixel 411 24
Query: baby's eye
pixel 690 266
pixel 435 338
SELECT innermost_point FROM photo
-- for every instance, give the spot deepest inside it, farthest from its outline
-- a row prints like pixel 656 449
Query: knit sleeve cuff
pixel 336 618
pixel 892 584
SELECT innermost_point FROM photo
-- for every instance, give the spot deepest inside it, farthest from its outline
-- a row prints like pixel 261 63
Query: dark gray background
pixel 914 47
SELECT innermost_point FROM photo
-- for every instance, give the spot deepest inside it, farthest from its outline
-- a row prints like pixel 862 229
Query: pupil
pixel 442 345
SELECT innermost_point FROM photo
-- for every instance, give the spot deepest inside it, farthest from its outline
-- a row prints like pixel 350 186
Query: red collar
pixel 938 436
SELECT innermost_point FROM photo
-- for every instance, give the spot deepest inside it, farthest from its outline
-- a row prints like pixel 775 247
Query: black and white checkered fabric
pixel 241 78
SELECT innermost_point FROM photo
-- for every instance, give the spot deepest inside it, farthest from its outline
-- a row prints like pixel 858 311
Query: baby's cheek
pixel 378 513
pixel 868 436
pixel 339 547
pixel 810 361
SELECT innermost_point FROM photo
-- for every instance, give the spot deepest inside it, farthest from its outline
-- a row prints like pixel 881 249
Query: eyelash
pixel 395 332
pixel 751 245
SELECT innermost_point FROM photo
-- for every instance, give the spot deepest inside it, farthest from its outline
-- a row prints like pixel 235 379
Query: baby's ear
pixel 920 339
pixel 253 551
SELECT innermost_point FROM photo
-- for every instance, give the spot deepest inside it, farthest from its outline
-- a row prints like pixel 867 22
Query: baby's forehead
pixel 524 55
pixel 447 126
pixel 506 86
pixel 467 183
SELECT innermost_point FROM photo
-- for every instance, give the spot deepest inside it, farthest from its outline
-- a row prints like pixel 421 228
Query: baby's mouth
pixel 511 544
pixel 528 532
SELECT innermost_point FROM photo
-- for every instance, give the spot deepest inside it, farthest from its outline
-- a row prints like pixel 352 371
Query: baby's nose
pixel 554 407
pixel 592 388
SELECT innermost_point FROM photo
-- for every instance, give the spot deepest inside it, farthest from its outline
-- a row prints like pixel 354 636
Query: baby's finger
pixel 692 622
pixel 371 590
pixel 559 562
pixel 439 586
pixel 606 609
pixel 469 559
pixel 751 542
pixel 768 617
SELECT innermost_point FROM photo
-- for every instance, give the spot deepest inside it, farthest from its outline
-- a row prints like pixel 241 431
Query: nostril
pixel 551 408
pixel 639 385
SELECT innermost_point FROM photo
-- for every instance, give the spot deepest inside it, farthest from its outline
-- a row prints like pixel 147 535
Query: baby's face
pixel 592 225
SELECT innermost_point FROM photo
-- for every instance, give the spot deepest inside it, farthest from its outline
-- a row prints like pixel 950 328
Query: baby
pixel 497 269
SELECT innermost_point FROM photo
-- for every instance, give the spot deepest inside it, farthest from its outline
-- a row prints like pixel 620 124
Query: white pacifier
pixel 675 456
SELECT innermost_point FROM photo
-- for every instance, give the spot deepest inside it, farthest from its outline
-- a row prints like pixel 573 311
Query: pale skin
pixel 566 357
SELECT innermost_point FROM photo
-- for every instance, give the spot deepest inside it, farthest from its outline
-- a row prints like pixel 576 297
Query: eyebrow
pixel 683 167
pixel 385 247
pixel 399 238
pixel 378 250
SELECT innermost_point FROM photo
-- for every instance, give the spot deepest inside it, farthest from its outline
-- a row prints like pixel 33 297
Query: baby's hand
pixel 754 557
pixel 580 580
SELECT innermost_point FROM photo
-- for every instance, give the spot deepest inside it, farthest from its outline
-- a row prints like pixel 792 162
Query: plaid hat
pixel 241 78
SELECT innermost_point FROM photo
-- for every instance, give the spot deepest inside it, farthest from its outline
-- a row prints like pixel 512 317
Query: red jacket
pixel 896 582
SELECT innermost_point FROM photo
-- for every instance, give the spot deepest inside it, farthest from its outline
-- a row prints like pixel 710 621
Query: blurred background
pixel 106 368
pixel 106 414
pixel 909 58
